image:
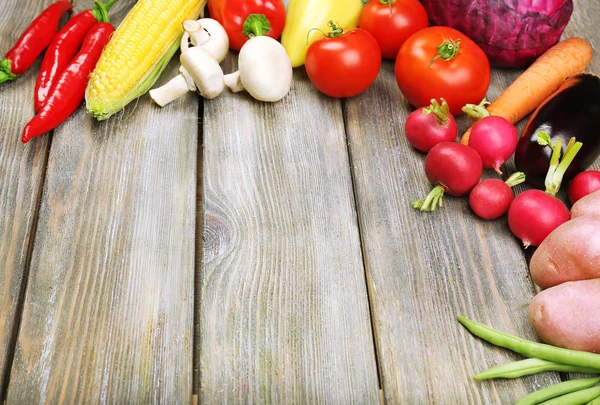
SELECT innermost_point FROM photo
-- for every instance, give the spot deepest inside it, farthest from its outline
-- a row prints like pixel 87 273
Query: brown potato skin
pixel 588 205
pixel 568 315
pixel 570 253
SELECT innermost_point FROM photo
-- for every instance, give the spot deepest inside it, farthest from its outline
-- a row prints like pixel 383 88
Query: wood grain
pixel 21 177
pixel 284 312
pixel 584 23
pixel 425 269
pixel 108 315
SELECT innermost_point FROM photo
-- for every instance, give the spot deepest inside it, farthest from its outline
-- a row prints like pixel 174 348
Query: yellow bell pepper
pixel 304 15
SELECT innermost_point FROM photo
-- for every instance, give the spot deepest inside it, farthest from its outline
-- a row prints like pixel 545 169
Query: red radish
pixel 583 184
pixel 495 139
pixel 534 214
pixel 452 168
pixel 491 198
pixel 427 127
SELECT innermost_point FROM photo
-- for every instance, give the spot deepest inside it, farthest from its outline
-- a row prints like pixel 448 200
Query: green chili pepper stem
pixel 533 349
pixel 525 367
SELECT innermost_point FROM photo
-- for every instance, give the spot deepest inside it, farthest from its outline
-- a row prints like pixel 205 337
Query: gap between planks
pixel 12 345
pixel 362 248
pixel 198 253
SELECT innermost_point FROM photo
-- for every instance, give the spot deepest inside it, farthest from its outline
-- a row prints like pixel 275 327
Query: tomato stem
pixel 336 31
pixel 389 4
pixel 447 50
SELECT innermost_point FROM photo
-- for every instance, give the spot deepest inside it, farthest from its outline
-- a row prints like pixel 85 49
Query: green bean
pixel 521 368
pixel 556 390
pixel 533 349
pixel 594 401
pixel 575 398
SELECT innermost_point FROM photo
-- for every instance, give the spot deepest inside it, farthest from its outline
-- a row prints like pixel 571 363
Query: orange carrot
pixel 539 81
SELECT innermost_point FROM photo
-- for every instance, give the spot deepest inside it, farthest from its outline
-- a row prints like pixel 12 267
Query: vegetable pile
pixel 443 71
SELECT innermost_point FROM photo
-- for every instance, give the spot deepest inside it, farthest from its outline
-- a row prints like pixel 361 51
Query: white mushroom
pixel 265 70
pixel 204 70
pixel 210 34
pixel 200 70
pixel 175 88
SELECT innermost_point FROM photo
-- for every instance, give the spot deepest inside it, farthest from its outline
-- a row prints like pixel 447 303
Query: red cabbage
pixel 512 33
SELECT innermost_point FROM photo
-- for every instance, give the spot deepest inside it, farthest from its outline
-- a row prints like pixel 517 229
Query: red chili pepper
pixel 245 18
pixel 69 91
pixel 64 46
pixel 33 41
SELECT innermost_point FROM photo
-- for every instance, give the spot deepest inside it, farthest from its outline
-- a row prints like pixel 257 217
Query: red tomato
pixel 345 64
pixel 392 27
pixel 460 74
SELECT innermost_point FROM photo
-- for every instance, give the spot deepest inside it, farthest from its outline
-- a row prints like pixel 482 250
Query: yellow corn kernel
pixel 137 54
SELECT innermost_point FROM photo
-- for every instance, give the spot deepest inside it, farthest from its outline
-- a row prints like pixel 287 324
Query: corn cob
pixel 137 54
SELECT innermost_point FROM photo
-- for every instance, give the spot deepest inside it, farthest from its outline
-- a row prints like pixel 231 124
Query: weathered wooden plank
pixel 284 312
pixel 425 269
pixel 584 23
pixel 108 315
pixel 21 177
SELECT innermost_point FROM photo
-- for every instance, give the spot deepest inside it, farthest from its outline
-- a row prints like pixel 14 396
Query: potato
pixel 568 315
pixel 588 205
pixel 570 253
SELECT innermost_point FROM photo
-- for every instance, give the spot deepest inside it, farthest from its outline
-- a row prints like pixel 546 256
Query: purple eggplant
pixel 572 111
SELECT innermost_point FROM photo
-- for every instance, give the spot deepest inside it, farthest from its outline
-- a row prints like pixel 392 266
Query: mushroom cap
pixel 265 69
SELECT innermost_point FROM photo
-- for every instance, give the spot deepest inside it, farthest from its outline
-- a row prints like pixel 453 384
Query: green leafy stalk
pixel 477 112
pixel 433 200
pixel 558 167
pixel 441 111
pixel 516 179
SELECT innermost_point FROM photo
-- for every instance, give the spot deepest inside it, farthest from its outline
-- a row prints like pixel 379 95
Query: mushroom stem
pixel 197 33
pixel 234 82
pixel 175 88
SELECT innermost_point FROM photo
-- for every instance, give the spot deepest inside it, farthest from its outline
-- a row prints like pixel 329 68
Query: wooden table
pixel 229 251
